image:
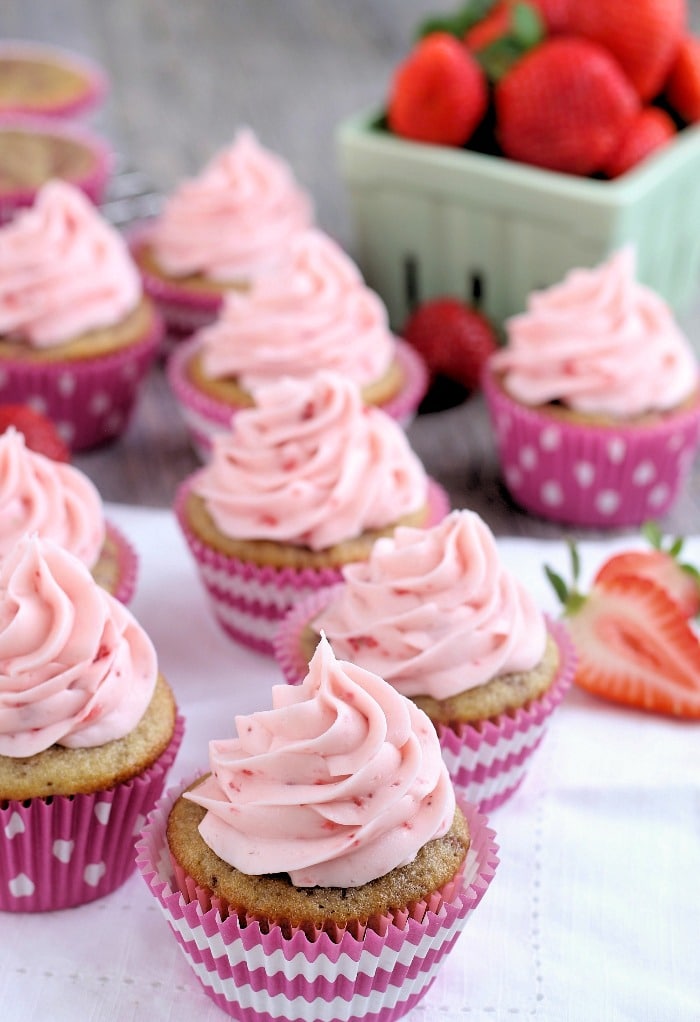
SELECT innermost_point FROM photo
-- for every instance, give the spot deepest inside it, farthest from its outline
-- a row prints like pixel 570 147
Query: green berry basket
pixel 433 220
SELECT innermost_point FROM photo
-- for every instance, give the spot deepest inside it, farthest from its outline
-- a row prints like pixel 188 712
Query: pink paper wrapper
pixel 205 416
pixel 89 399
pixel 94 80
pixel 117 566
pixel 60 852
pixel 258 976
pixel 249 601
pixel 486 761
pixel 92 183
pixel 591 475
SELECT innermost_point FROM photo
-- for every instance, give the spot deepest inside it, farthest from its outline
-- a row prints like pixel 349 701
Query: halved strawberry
pixel 40 433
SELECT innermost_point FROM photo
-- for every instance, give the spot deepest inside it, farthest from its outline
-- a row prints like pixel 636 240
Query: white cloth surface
pixel 594 913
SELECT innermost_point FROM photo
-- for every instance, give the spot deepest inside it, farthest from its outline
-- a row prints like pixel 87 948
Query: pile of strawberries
pixel 587 87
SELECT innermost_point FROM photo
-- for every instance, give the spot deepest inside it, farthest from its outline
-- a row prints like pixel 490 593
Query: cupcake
pixel 301 484
pixel 88 731
pixel 77 334
pixel 323 858
pixel 219 231
pixel 47 81
pixel 58 502
pixel 313 312
pixel 438 616
pixel 35 150
pixel 595 400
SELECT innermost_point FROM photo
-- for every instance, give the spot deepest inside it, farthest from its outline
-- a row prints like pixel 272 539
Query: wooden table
pixel 184 78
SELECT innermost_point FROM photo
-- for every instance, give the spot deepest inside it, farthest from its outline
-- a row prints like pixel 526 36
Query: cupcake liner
pixel 588 475
pixel 117 566
pixel 64 851
pixel 89 399
pixel 258 973
pixel 249 601
pixel 205 416
pixel 94 87
pixel 488 760
pixel 92 183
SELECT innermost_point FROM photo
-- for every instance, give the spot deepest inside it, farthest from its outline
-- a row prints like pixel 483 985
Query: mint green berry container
pixel 431 220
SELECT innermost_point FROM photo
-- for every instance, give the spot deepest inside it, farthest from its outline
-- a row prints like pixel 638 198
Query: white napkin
pixel 594 913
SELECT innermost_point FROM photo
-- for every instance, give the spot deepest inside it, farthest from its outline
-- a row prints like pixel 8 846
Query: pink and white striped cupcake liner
pixel 95 83
pixel 261 974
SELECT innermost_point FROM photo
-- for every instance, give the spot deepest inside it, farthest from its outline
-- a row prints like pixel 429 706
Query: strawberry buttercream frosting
pixel 50 498
pixel 434 611
pixel 313 312
pixel 336 785
pixel 310 465
pixel 76 669
pixel 600 343
pixel 63 270
pixel 234 220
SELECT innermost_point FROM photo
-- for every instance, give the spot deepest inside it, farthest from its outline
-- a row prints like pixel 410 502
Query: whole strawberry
pixel 40 433
pixel 564 106
pixel 454 339
pixel 682 90
pixel 438 93
pixel 651 129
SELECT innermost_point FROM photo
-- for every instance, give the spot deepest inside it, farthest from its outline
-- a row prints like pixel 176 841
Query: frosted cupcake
pixel 46 81
pixel 595 401
pixel 77 334
pixel 323 860
pixel 219 231
pixel 313 312
pixel 436 613
pixel 58 502
pixel 302 483
pixel 88 731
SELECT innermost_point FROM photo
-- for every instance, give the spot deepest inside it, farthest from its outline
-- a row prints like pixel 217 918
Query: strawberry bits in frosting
pixel 341 782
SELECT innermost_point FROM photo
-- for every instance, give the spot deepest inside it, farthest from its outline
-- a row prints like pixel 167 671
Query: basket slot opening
pixel 476 289
pixel 410 281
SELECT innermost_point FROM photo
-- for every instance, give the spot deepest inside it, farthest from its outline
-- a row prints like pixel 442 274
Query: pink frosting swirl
pixel 313 312
pixel 336 785
pixel 310 465
pixel 75 667
pixel 234 220
pixel 63 270
pixel 600 343
pixel 434 612
pixel 50 498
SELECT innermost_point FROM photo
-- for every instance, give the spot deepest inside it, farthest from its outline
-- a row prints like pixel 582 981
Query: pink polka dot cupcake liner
pixel 59 852
pixel 249 601
pixel 258 974
pixel 94 80
pixel 91 399
pixel 205 416
pixel 598 476
pixel 116 569
pixel 487 761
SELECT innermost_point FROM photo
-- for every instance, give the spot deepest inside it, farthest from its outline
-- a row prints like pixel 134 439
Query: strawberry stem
pixel 458 23
pixel 569 595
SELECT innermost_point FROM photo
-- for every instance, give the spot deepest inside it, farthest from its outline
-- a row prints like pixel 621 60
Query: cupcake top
pixel 63 270
pixel 434 611
pixel 310 465
pixel 313 312
pixel 76 669
pixel 336 785
pixel 600 343
pixel 50 498
pixel 233 220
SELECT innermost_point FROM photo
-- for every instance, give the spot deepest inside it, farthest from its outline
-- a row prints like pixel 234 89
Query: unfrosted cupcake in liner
pixel 77 335
pixel 436 613
pixel 47 81
pixel 313 312
pixel 594 401
pixel 219 231
pixel 302 483
pixel 57 501
pixel 323 862
pixel 88 732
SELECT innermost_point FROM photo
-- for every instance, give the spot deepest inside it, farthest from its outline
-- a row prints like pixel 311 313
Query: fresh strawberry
pixel 633 645
pixel 642 34
pixel 40 434
pixel 555 13
pixel 681 582
pixel 564 106
pixel 454 339
pixel 651 129
pixel 682 89
pixel 438 93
